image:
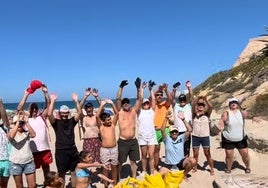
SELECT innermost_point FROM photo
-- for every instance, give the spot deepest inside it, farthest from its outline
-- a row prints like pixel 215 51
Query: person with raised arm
pixel 201 130
pixel 128 145
pixel 21 160
pixel 89 125
pixel 174 148
pixel 161 108
pixel 4 151
pixel 66 153
pixel 109 149
pixel 40 143
pixel 146 134
pixel 181 105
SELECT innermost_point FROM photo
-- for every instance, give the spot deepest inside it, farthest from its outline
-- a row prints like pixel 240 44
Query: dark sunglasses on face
pixel 159 95
pixel 174 132
pixel 201 104
pixel 146 103
pixel 234 102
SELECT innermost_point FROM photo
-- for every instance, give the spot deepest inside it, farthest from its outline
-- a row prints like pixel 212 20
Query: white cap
pixel 145 100
pixel 64 108
pixel 233 100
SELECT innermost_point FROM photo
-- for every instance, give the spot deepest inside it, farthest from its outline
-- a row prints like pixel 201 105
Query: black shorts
pixel 66 159
pixel 179 165
pixel 128 148
pixel 227 144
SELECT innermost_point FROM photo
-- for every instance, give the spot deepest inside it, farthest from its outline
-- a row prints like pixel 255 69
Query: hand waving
pixel 123 83
pixel 138 82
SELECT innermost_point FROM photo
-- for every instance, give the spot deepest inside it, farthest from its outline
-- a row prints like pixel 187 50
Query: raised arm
pixel 23 101
pixel 3 113
pixel 152 96
pixel 47 100
pixel 119 93
pixel 174 91
pixel 209 106
pixel 96 95
pixel 169 97
pixel 53 98
pixel 79 113
pixel 190 90
pixel 168 116
pixel 32 133
pixel 187 125
pixel 138 103
pixel 86 95
pixel 115 119
pixel 100 110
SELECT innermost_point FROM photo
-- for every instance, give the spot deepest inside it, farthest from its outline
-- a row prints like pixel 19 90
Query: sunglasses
pixel 146 103
pixel 201 104
pixel 233 102
pixel 174 132
pixel 159 95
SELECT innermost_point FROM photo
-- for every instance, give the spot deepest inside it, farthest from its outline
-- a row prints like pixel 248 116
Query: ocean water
pixel 70 104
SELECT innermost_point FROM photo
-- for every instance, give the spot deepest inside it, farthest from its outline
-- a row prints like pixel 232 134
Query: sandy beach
pixel 201 178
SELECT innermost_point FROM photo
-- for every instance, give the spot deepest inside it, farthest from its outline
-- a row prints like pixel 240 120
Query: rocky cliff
pixel 253 48
pixel 247 81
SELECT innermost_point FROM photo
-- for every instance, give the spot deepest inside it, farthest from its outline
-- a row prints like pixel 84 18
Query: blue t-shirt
pixel 174 149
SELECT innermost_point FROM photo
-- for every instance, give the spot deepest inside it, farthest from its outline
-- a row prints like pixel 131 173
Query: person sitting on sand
pixel 84 168
pixel 174 149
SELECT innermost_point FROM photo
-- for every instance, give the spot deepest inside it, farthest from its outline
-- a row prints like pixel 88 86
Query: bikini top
pixel 83 173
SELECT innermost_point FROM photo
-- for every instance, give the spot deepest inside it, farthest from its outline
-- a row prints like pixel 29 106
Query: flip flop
pixel 247 171
pixel 228 171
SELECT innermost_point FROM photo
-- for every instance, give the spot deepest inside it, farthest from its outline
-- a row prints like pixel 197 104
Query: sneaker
pixel 142 174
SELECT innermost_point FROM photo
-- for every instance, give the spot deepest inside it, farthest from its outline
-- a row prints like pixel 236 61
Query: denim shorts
pixel 4 168
pixel 203 141
pixel 19 169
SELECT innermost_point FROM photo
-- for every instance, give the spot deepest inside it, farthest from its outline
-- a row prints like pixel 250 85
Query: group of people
pixel 163 116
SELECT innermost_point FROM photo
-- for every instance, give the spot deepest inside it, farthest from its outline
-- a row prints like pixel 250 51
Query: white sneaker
pixel 142 174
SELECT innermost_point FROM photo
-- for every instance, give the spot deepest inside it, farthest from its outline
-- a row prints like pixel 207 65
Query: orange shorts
pixel 42 158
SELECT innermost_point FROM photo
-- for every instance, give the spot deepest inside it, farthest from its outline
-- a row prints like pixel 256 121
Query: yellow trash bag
pixel 173 178
pixel 153 181
pixel 129 183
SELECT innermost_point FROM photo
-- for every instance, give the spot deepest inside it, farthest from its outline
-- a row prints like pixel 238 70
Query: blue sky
pixel 73 44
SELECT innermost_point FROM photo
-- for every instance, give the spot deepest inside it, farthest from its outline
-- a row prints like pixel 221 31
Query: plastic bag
pixel 173 179
pixel 153 181
pixel 129 183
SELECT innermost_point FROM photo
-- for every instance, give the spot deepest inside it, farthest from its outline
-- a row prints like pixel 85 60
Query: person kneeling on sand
pixel 84 168
pixel 174 149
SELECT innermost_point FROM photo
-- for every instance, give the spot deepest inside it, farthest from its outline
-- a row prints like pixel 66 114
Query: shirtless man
pixel 127 143
pixel 108 151
pixel 92 142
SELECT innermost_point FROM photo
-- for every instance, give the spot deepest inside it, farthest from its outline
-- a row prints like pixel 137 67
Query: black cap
pixel 124 101
pixel 88 105
pixel 182 97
